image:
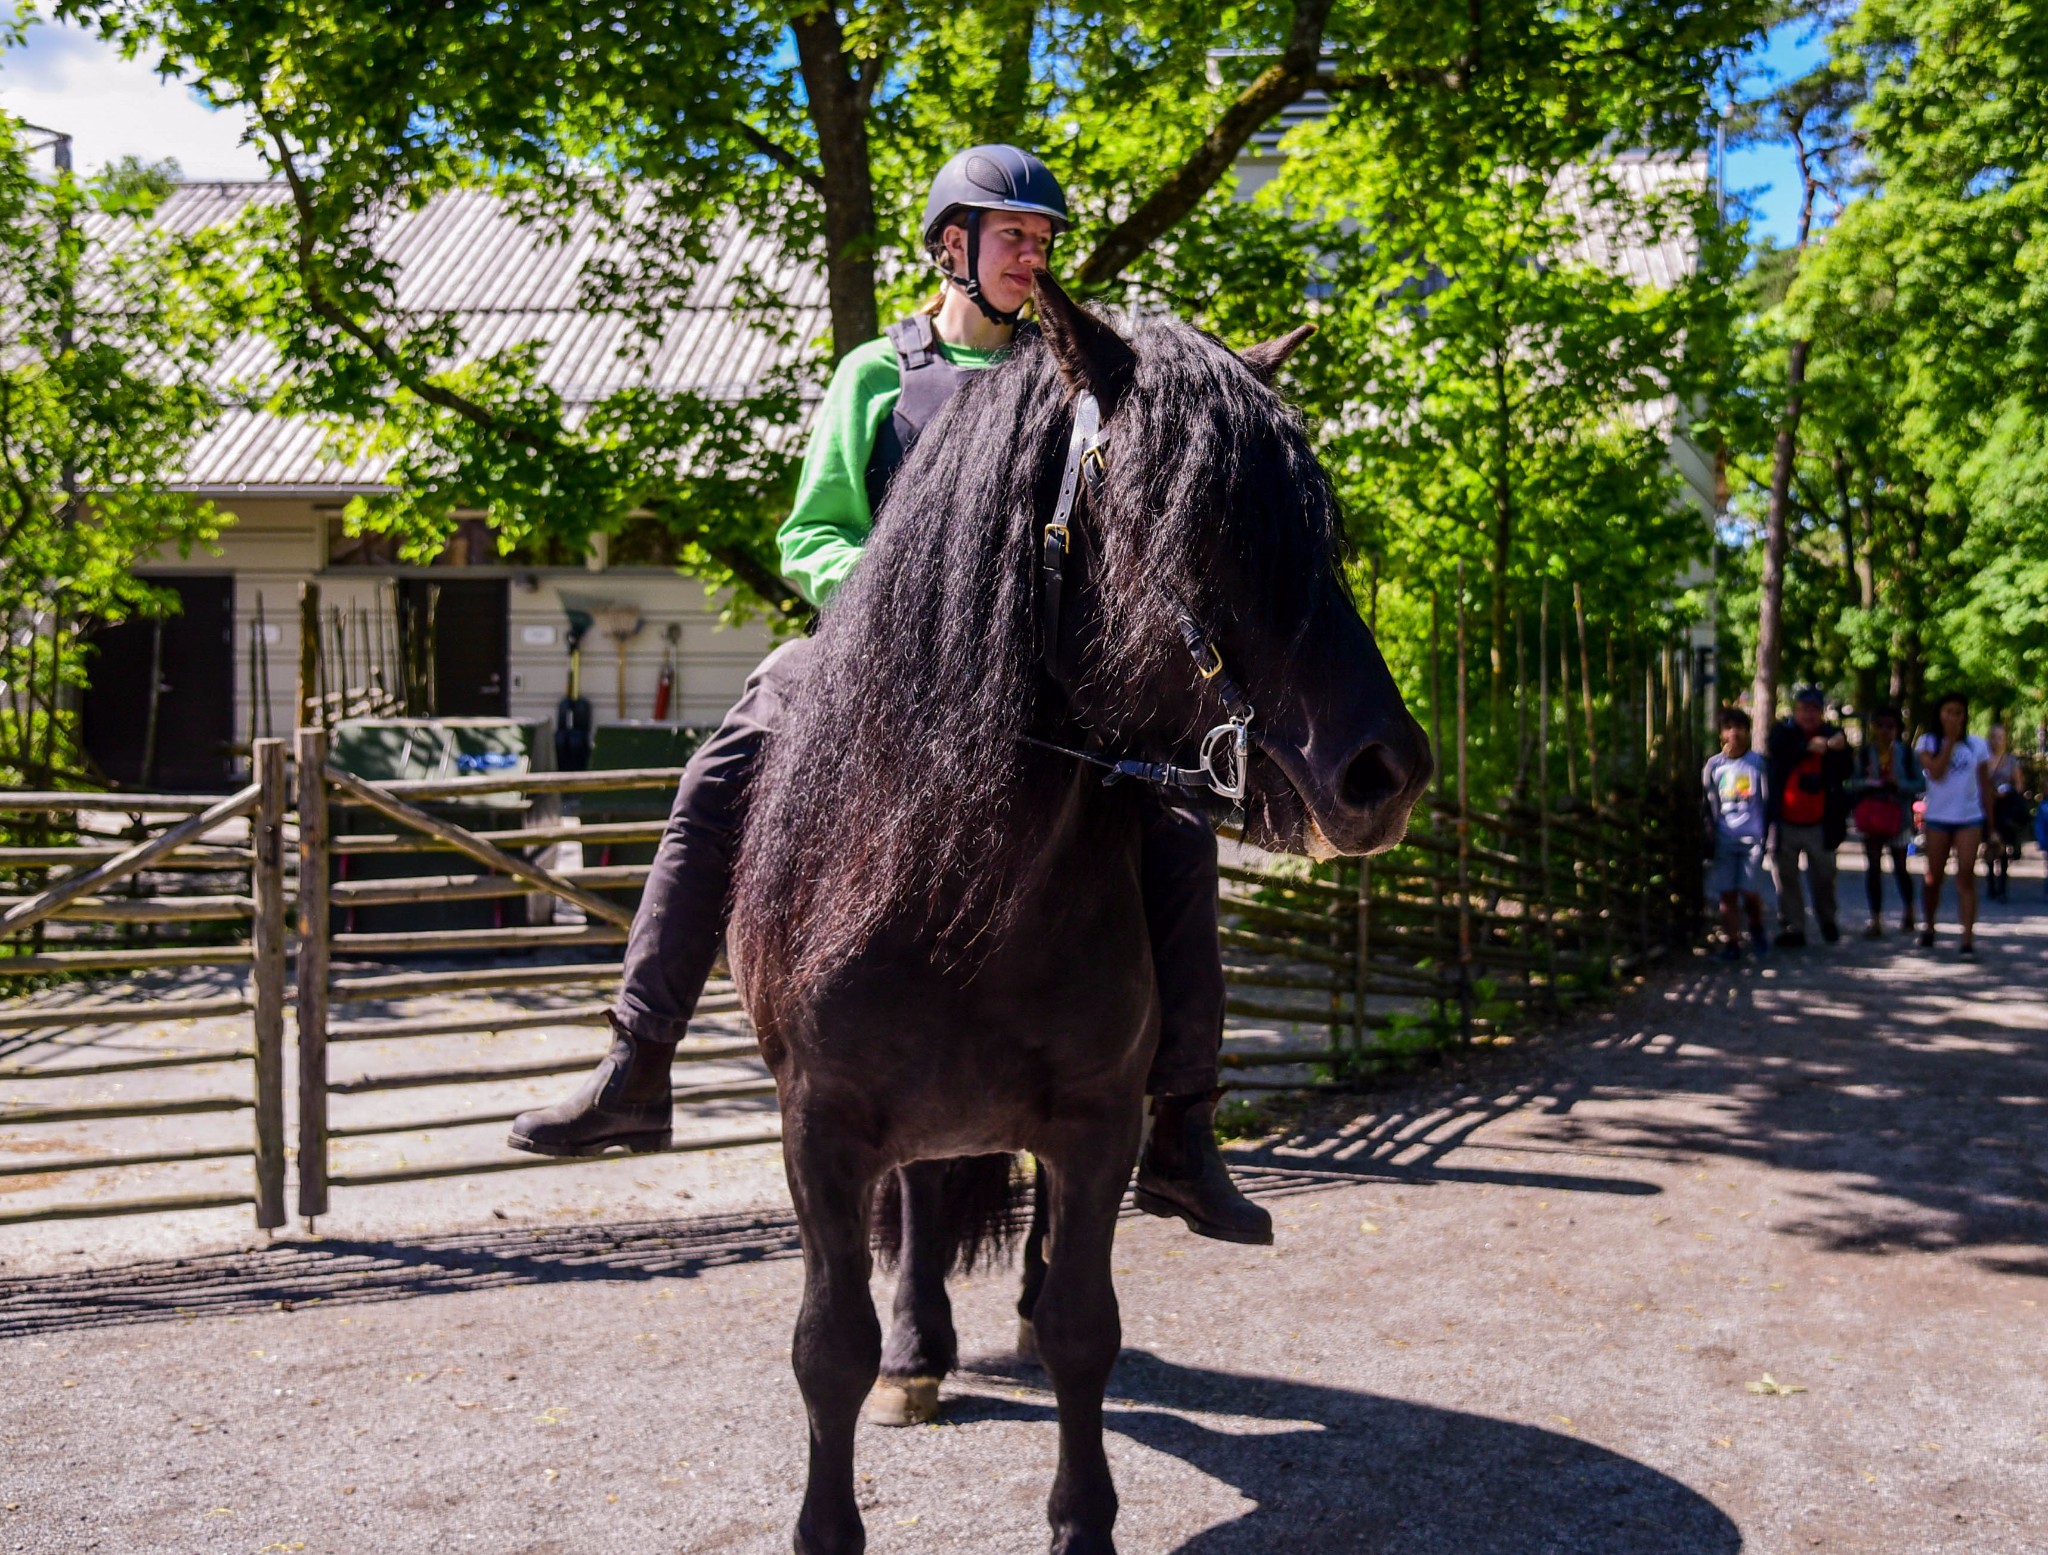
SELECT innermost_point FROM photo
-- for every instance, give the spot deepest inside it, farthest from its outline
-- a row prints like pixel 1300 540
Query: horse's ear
pixel 1264 359
pixel 1093 358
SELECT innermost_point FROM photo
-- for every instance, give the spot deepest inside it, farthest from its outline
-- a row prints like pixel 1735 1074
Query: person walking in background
pixel 2009 813
pixel 1881 788
pixel 1809 760
pixel 1737 784
pixel 1958 768
pixel 2041 841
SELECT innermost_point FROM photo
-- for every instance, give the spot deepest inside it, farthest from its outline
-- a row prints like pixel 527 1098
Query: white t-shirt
pixel 1954 800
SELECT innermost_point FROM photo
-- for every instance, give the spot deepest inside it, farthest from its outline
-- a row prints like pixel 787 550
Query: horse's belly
pixel 940 1059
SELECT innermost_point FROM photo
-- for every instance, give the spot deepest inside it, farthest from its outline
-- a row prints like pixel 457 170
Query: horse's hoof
pixel 1027 1341
pixel 904 1401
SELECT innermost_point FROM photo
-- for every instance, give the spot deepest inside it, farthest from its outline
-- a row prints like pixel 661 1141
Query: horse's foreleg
pixel 1034 1267
pixel 921 1348
pixel 1077 1328
pixel 838 1340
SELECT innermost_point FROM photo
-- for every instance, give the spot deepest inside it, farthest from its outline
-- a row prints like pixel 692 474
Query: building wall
pixel 274 544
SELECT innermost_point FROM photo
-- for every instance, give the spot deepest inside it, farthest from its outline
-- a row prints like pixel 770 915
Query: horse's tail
pixel 983 1207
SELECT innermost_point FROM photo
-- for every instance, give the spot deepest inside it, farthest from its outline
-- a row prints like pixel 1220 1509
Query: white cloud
pixel 68 80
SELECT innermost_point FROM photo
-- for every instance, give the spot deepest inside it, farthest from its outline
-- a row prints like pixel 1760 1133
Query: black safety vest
pixel 929 380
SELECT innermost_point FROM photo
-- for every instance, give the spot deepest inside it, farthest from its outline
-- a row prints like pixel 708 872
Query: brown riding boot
pixel 625 1104
pixel 1182 1174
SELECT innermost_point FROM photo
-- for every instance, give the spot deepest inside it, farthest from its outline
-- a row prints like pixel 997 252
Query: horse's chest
pixel 1065 993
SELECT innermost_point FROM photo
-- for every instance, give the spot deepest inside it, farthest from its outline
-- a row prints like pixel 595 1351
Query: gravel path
pixel 1753 1261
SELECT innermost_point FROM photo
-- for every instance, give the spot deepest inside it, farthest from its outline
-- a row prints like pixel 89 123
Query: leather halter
pixel 1223 761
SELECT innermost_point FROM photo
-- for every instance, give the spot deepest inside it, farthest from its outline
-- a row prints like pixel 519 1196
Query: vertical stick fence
pixel 1490 913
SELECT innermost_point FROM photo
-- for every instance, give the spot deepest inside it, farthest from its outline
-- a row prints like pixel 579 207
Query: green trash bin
pixel 620 746
pixel 412 749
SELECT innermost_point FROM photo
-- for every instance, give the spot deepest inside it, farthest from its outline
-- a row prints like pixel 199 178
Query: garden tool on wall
pixel 573 716
pixel 665 688
pixel 621 624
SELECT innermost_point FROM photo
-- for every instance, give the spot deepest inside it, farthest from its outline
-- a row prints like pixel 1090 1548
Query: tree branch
pixel 782 157
pixel 371 340
pixel 741 563
pixel 1276 86
pixel 749 569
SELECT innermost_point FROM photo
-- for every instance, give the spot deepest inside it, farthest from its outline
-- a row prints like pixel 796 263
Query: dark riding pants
pixel 676 932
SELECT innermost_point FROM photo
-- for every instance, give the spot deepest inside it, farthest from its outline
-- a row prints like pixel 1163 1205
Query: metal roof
pixel 508 282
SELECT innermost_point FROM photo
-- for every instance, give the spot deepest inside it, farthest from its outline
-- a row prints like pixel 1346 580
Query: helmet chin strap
pixel 972 284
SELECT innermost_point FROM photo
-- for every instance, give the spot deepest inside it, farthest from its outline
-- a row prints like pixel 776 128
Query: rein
pixel 1223 759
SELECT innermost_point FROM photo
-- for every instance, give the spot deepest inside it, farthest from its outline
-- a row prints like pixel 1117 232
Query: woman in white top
pixel 1958 769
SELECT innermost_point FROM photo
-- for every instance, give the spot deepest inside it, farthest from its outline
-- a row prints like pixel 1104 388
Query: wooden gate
pixel 79 921
pixel 590 892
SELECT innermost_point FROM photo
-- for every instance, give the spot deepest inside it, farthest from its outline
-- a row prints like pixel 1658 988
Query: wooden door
pixel 466 618
pixel 194 652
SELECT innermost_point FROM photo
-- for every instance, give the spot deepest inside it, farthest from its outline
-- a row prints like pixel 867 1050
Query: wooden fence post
pixel 1464 833
pixel 1436 744
pixel 312 973
pixel 266 886
pixel 1586 695
pixel 310 709
pixel 1549 910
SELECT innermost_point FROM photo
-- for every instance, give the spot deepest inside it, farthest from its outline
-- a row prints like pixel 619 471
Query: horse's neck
pixel 1082 830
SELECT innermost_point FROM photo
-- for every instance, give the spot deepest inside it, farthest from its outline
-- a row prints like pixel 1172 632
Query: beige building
pixel 228 667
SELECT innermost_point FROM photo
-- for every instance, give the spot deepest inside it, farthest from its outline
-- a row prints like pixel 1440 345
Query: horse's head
pixel 1212 511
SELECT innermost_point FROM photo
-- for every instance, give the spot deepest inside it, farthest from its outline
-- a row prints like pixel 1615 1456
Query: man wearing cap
pixel 989 226
pixel 1809 813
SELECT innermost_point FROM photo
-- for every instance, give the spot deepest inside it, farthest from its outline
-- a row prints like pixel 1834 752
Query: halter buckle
pixel 1214 667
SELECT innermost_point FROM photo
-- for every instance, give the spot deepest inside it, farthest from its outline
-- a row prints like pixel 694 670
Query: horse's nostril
pixel 1370 779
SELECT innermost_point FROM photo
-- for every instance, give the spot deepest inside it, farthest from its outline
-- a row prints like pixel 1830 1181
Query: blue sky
pixel 68 80
pixel 1765 177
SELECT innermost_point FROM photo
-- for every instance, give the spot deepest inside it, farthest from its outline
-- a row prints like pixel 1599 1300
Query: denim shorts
pixel 1738 866
pixel 1950 828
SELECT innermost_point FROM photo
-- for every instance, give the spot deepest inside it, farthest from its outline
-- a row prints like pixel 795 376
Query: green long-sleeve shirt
pixel 828 526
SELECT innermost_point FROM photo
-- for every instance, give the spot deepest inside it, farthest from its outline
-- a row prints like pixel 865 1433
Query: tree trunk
pixel 1912 656
pixel 837 88
pixel 1859 585
pixel 1763 698
pixel 1011 99
pixel 1763 692
pixel 1183 189
pixel 1503 538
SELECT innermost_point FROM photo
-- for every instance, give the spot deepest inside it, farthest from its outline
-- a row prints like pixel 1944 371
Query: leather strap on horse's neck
pixel 1085 461
pixel 1084 457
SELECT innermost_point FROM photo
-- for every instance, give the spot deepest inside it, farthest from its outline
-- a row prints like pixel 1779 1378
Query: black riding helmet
pixel 988 178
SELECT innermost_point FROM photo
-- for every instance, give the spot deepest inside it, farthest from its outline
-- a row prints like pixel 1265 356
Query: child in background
pixel 1735 783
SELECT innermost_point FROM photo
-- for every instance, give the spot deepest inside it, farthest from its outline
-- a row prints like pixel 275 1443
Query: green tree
pixel 102 392
pixel 1495 388
pixel 1915 538
pixel 818 125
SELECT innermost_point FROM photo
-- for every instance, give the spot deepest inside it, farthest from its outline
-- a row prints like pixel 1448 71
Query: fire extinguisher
pixel 664 689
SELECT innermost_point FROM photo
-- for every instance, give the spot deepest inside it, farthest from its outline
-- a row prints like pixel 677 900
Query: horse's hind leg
pixel 838 1340
pixel 1078 1331
pixel 1034 1267
pixel 921 1348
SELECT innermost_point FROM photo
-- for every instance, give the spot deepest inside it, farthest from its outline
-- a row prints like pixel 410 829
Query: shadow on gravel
pixel 289 1275
pixel 1911 1087
pixel 1334 1469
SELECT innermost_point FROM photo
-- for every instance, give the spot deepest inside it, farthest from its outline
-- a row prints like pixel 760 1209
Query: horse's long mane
pixel 898 787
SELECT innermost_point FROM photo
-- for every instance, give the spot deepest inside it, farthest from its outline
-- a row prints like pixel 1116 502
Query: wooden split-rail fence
pixel 239 913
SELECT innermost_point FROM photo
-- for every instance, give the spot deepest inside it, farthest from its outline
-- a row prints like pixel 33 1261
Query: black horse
pixel 937 924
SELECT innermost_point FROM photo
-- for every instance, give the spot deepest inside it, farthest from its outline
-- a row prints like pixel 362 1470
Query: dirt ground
pixel 1751 1261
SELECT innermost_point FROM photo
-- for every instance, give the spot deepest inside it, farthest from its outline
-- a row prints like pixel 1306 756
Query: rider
pixel 989 224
